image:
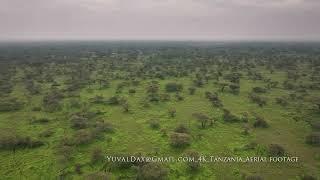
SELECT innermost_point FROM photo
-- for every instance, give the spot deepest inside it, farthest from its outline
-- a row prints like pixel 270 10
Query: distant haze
pixel 160 19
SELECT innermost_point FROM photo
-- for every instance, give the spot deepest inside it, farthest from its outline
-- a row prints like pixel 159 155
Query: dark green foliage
pixel 261 101
pixel 173 87
pixel 282 101
pixel 198 82
pixel 229 117
pixel 260 123
pixel 52 101
pixel 192 90
pixel 153 87
pixel 98 100
pixel 46 133
pixel 40 120
pixel 181 129
pixel 152 171
pixel 32 87
pixel 193 164
pixel 313 139
pixel 122 164
pixel 233 77
pixel 114 100
pixel 276 150
pixel 11 141
pixel 5 86
pixel 101 126
pixel 308 177
pixel 288 85
pixel 79 122
pixel 154 97
pixel 83 136
pixel 259 90
pixel 10 104
pixel 235 88
pixel 132 91
pixel 179 97
pixel 214 99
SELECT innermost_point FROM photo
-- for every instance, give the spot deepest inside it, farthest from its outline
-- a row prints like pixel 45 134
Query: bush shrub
pixel 192 90
pixel 259 90
pixel 313 139
pixel 165 97
pixel 154 123
pixel 260 123
pixel 79 122
pixel 114 100
pixel 10 104
pixel 46 133
pixel 276 150
pixel 281 101
pixel 101 126
pixel 173 87
pixel 308 177
pixel 229 117
pixel 181 129
pixel 261 101
pixel 195 164
pixel 152 171
pixel 132 91
pixel 40 120
pixel 179 97
pixel 51 101
pixel 13 141
pixel 83 136
pixel 180 139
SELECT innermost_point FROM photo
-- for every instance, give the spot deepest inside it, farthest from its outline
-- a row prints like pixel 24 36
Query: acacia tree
pixel 203 119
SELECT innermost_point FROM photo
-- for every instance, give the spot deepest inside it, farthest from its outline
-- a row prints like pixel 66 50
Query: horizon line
pixel 257 39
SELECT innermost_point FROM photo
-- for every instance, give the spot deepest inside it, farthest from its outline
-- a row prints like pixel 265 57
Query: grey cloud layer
pixel 158 19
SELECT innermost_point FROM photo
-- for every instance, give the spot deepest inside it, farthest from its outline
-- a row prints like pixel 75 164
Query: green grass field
pixel 288 126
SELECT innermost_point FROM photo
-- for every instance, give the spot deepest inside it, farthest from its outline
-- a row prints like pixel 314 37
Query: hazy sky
pixel 160 19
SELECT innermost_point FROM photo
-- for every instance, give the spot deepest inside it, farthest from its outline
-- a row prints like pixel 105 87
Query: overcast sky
pixel 160 19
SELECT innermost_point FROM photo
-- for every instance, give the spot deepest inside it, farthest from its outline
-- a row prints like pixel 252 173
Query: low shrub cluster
pixel 260 123
pixel 152 171
pixel 13 141
pixel 313 139
pixel 10 104
pixel 180 139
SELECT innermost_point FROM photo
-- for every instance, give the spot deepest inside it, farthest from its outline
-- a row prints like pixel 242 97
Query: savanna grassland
pixel 64 106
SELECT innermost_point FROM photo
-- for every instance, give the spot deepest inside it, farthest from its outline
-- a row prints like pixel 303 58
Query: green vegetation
pixel 64 107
